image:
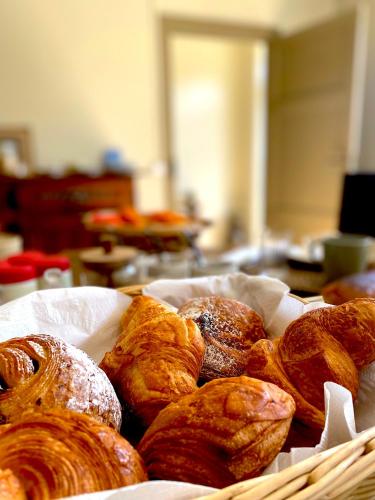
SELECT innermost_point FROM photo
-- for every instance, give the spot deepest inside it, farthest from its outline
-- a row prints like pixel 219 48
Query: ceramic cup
pixel 344 255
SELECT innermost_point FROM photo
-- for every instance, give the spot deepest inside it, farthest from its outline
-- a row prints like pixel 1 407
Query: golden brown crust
pixel 228 430
pixel 360 285
pixel 265 364
pixel 10 486
pixel 59 453
pixel 40 372
pixel 353 325
pixel 229 329
pixel 157 358
pixel 327 344
pixel 310 356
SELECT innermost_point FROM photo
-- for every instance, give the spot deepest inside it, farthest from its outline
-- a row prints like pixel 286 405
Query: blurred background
pixel 248 117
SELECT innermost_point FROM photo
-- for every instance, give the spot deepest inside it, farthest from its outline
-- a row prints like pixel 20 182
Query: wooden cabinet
pixel 47 212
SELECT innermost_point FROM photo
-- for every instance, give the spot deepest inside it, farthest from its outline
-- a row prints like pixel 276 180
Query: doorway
pixel 216 103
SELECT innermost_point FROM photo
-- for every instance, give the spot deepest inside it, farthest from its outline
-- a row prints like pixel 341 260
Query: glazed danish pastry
pixel 41 372
pixel 156 359
pixel 227 431
pixel 58 453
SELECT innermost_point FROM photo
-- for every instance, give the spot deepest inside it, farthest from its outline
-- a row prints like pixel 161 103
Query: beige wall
pixel 81 74
pixel 368 144
pixel 284 14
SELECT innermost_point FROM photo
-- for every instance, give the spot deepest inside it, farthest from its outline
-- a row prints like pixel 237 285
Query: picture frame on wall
pixel 15 152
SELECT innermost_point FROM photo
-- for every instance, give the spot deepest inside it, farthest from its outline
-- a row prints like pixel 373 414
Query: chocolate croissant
pixel 58 453
pixel 229 329
pixel 41 372
pixel 328 344
pixel 156 359
pixel 227 431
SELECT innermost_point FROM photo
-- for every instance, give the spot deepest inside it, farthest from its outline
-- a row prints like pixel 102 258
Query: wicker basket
pixel 344 472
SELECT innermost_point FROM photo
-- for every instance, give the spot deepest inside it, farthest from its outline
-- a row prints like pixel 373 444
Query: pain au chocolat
pixel 229 329
pixel 40 372
pixel 59 453
pixel 327 344
pixel 156 359
pixel 228 430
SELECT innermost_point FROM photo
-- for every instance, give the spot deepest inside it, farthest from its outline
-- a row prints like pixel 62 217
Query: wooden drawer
pixel 75 193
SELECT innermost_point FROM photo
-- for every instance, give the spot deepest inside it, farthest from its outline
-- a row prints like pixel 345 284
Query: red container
pixel 28 258
pixel 15 274
pixel 51 261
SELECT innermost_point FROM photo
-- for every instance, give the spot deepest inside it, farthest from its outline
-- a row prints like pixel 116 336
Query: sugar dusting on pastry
pixel 91 388
pixel 229 329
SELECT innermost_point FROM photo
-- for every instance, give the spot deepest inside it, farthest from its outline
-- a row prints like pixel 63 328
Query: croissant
pixel 42 372
pixel 10 486
pixel 327 344
pixel 156 359
pixel 59 453
pixel 350 287
pixel 228 430
pixel 229 329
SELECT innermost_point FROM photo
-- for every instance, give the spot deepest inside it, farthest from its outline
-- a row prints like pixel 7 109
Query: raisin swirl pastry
pixel 59 453
pixel 42 372
pixel 227 431
pixel 229 329
pixel 156 359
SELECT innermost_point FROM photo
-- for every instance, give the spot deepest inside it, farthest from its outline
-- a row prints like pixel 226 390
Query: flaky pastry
pixel 229 329
pixel 327 344
pixel 58 453
pixel 156 359
pixel 227 431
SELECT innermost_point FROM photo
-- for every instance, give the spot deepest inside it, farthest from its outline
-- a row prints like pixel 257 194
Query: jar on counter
pixel 16 281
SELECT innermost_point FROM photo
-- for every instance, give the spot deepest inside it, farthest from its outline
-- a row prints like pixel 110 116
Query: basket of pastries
pixel 211 388
pixel 154 232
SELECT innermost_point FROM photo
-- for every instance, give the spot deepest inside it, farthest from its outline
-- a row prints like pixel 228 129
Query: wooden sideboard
pixel 47 212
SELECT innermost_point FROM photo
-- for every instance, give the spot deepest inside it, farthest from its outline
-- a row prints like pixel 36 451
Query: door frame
pixel 169 26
